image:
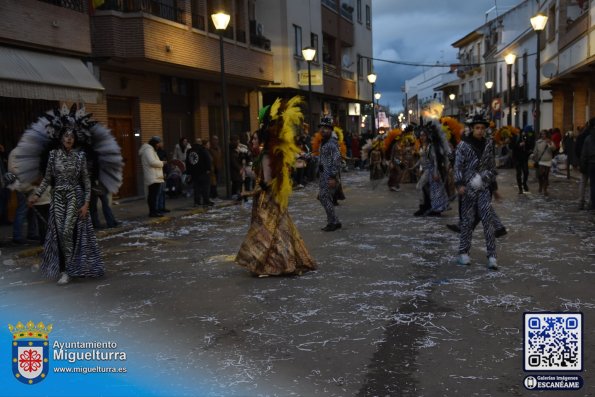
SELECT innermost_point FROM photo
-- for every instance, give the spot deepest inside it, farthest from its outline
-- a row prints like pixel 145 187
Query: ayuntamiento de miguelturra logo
pixel 30 351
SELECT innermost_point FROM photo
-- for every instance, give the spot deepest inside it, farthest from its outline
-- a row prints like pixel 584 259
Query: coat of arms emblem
pixel 30 351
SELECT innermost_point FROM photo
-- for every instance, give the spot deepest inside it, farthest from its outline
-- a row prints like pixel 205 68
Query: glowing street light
pixel 309 53
pixel 538 23
pixel 372 80
pixel 509 59
pixel 221 20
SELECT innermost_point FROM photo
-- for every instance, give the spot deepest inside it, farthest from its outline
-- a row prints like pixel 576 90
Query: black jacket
pixel 198 161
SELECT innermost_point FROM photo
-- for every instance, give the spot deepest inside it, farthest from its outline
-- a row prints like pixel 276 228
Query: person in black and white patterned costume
pixel 475 170
pixel 57 146
pixel 330 163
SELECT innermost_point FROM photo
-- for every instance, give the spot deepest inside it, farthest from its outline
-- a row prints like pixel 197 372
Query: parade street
pixel 388 312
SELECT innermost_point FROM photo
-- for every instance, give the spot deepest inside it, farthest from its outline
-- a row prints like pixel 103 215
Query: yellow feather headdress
pixel 286 119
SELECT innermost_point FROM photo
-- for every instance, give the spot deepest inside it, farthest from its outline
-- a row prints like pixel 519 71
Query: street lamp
pixel 489 84
pixel 221 20
pixel 309 53
pixel 372 80
pixel 410 113
pixel 378 96
pixel 538 22
pixel 452 97
pixel 509 59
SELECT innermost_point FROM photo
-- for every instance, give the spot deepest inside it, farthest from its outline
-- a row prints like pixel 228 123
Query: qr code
pixel 553 341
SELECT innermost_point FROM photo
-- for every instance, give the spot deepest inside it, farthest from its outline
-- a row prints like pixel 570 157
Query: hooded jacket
pixel 152 166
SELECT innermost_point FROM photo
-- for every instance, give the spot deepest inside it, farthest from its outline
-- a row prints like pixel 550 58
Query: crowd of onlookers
pixel 196 170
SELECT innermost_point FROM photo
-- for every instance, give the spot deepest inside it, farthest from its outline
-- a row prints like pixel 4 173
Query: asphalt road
pixel 388 312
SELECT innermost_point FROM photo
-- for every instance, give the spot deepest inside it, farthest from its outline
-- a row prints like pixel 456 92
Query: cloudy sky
pixel 421 31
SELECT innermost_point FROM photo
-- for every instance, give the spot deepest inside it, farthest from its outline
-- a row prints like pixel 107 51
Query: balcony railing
pixel 332 4
pixel 346 74
pixel 198 21
pixel 346 12
pixel 161 10
pixel 76 5
pixel 327 68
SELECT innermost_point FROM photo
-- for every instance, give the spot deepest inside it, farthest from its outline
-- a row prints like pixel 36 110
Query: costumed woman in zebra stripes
pixel 58 145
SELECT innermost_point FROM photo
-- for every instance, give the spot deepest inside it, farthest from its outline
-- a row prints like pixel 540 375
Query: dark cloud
pixel 421 31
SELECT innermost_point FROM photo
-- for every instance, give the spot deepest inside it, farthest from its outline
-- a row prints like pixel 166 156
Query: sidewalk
pixel 131 213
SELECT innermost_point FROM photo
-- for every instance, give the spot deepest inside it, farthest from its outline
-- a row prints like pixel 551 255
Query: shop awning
pixel 36 75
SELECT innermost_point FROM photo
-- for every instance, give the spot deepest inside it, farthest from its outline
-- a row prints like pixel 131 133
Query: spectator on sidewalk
pixel 152 172
pixel 198 166
pixel 181 149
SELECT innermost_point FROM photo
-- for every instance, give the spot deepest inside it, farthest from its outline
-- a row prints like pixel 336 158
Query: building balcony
pixel 162 10
pixel 58 26
pixel 76 5
pixel 573 30
pixel 144 42
pixel 339 87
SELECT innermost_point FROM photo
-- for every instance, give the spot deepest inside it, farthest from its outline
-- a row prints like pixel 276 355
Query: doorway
pixel 122 130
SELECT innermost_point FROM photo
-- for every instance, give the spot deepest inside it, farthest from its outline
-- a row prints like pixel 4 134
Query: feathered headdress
pixel 285 118
pixel 392 136
pixel 31 153
pixel 341 140
pixel 453 129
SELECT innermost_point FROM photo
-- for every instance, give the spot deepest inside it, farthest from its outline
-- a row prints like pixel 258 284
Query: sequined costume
pixel 70 244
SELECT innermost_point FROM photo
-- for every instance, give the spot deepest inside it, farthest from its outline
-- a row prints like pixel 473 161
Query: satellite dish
pixel 549 70
pixel 346 61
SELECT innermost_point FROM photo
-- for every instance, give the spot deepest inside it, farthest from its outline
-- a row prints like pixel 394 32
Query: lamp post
pixel 378 96
pixel 309 53
pixel 538 23
pixel 410 113
pixel 509 59
pixel 372 80
pixel 452 97
pixel 488 105
pixel 221 20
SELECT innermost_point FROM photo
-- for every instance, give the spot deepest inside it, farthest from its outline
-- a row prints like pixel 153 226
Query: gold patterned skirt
pixel 273 245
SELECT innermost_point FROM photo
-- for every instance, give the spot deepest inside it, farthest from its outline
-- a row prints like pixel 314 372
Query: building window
pixel 369 65
pixel 314 44
pixel 297 33
pixel 360 72
pixel 368 17
pixel 359 11
pixel 525 68
pixel 328 50
pixel 551 25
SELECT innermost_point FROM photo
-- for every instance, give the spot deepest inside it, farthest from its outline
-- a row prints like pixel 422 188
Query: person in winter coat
pixel 587 161
pixel 181 150
pixel 543 155
pixel 152 172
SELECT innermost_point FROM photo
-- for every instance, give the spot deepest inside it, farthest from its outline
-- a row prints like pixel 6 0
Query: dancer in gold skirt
pixel 273 245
